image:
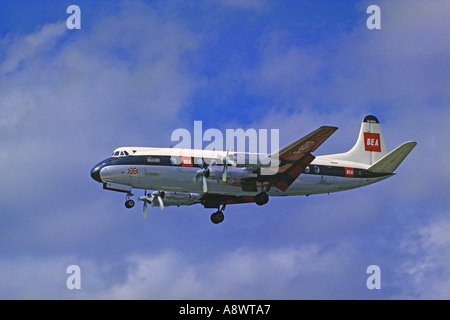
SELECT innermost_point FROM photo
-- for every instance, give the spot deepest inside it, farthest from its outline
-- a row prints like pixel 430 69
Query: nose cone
pixel 95 173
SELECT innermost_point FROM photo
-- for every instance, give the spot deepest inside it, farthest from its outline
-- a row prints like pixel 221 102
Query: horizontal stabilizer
pixel 392 160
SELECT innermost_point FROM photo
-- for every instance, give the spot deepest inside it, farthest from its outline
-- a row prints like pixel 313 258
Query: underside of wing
pixel 214 200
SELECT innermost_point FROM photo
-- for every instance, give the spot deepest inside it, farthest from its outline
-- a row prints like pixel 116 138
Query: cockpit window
pixel 122 153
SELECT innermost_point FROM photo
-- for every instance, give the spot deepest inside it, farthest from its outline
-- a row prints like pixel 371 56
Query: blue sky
pixel 137 70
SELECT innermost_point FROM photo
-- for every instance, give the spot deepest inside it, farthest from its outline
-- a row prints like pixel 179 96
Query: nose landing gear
pixel 129 203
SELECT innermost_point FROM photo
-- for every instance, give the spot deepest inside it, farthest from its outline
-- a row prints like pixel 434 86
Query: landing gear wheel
pixel 217 217
pixel 129 203
pixel 261 198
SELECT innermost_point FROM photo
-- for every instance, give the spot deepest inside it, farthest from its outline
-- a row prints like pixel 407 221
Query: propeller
pixel 226 160
pixel 203 173
pixel 154 196
pixel 158 195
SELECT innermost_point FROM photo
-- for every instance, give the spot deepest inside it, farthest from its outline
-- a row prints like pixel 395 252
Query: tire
pixel 261 198
pixel 129 203
pixel 217 217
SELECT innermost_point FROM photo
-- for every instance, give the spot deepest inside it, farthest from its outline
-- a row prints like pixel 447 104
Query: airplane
pixel 215 179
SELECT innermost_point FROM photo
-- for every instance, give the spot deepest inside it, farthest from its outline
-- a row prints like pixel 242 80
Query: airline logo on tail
pixel 372 142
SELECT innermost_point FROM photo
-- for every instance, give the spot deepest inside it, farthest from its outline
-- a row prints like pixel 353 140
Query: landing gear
pixel 218 216
pixel 129 203
pixel 261 198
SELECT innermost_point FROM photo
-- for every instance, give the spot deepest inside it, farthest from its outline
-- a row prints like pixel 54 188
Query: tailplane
pixel 392 160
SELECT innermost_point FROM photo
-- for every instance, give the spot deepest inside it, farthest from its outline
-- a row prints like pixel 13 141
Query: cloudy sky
pixel 138 70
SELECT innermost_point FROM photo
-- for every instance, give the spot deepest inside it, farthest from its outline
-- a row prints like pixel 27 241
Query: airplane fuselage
pixel 160 172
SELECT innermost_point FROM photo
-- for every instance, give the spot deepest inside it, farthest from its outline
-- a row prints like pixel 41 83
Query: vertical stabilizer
pixel 369 147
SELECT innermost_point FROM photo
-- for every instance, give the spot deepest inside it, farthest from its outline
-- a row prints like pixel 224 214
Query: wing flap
pixel 284 179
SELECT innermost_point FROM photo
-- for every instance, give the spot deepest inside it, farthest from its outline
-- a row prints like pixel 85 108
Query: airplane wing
pixel 295 157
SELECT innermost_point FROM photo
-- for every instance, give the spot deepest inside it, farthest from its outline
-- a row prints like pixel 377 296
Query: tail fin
pixel 392 160
pixel 369 147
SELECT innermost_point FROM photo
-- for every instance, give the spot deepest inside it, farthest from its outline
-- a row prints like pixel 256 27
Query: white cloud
pixel 244 273
pixel 304 271
pixel 69 97
pixel 127 64
pixel 16 98
pixel 403 66
pixel 21 49
pixel 426 274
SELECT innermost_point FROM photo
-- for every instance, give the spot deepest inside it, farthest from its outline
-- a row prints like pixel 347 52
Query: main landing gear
pixel 218 216
pixel 261 198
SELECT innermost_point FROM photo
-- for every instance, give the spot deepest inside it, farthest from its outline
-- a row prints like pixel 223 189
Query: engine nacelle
pixel 172 198
pixel 234 173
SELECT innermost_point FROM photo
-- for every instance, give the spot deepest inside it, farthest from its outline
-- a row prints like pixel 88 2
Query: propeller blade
pixel 226 161
pixel 225 171
pixel 146 199
pixel 152 202
pixel 145 209
pixel 161 203
pixel 199 174
pixel 234 164
pixel 205 185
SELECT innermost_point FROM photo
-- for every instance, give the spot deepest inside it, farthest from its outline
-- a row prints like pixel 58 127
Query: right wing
pixel 294 158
